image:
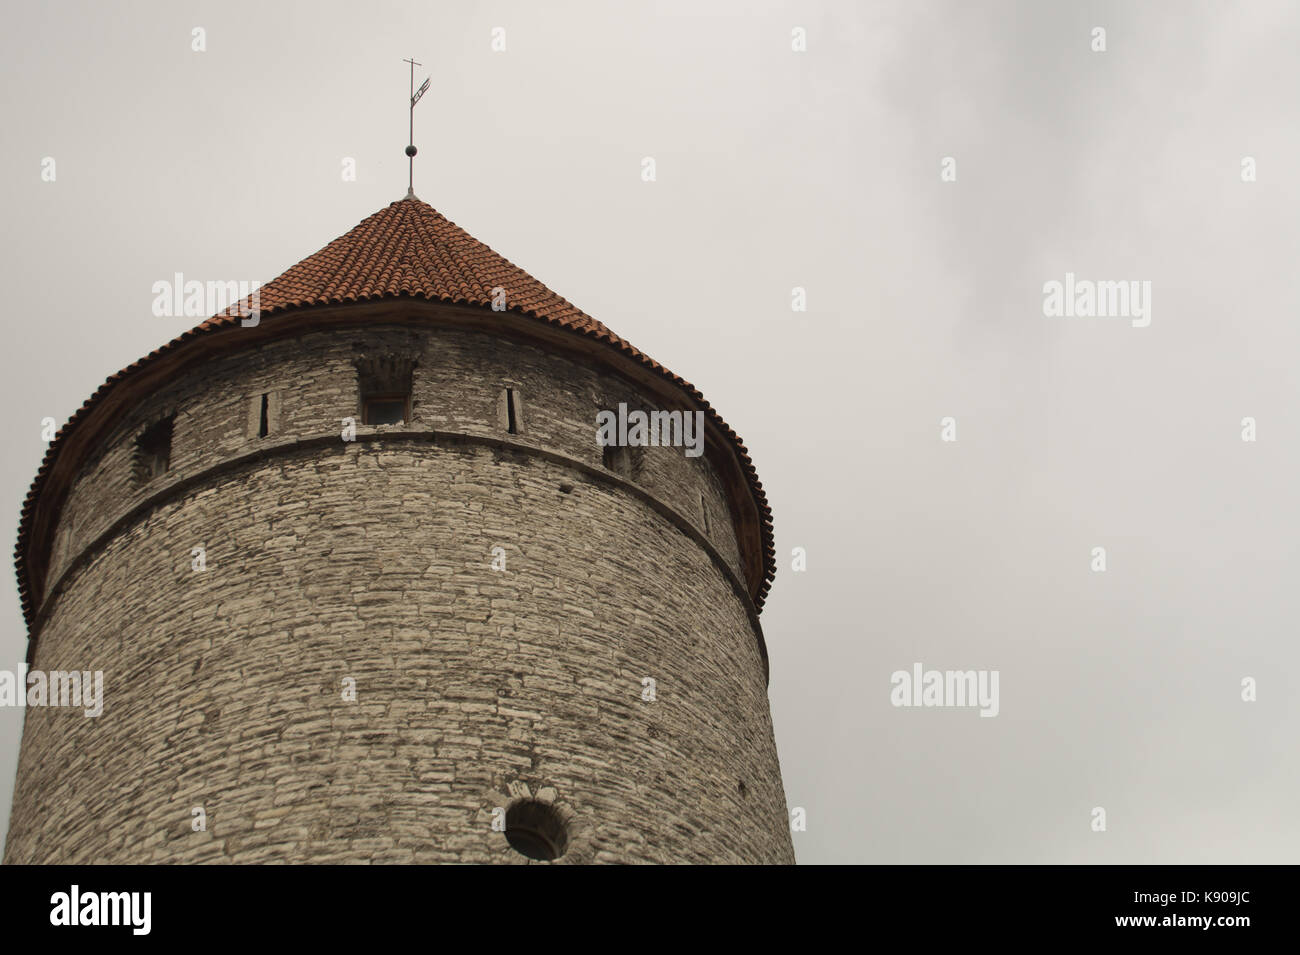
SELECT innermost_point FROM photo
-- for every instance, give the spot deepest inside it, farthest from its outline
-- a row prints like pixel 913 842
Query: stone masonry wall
pixel 313 384
pixel 371 561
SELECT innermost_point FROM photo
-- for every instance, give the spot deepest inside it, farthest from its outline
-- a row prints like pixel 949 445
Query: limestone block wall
pixel 371 562
pixel 313 383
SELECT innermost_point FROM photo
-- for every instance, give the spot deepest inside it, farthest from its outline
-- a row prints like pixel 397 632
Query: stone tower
pixel 364 587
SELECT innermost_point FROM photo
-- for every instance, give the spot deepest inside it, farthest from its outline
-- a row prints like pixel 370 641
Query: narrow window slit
pixel 617 458
pixel 263 428
pixel 153 451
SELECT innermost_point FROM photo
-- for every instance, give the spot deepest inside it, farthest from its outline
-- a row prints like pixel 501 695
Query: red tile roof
pixel 408 249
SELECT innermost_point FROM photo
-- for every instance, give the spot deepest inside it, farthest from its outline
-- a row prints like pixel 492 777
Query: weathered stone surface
pixel 372 561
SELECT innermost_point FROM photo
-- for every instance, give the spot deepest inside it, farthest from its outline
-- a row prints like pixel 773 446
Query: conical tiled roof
pixel 407 249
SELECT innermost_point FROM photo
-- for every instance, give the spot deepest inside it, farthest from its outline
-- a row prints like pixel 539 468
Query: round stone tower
pixel 364 586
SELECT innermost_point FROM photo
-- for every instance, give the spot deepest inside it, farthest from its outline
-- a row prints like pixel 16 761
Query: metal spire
pixel 410 149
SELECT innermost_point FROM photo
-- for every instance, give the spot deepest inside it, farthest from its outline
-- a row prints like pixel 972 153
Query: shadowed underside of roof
pixel 404 250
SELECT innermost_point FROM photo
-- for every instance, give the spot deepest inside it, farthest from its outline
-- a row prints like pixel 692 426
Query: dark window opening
pixel 617 458
pixel 153 451
pixel 512 423
pixel 536 830
pixel 264 426
pixel 384 382
pixel 384 409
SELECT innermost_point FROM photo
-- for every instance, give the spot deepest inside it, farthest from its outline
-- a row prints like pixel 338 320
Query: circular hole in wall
pixel 536 830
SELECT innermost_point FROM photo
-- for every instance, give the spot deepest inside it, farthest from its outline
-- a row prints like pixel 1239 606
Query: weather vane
pixel 410 149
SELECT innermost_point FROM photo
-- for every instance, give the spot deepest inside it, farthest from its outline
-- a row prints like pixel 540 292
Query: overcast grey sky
pixel 817 169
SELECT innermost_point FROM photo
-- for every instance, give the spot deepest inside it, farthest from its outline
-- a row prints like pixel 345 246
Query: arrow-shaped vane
pixel 420 92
